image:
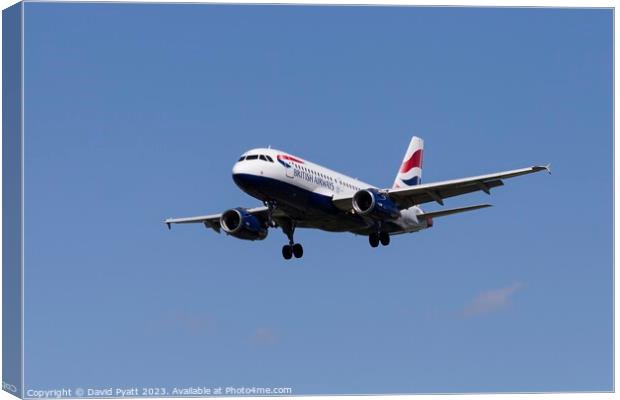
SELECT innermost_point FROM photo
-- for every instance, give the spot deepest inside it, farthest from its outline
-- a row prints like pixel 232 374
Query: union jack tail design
pixel 410 172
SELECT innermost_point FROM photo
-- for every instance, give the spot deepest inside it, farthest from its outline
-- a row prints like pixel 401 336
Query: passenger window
pixel 252 157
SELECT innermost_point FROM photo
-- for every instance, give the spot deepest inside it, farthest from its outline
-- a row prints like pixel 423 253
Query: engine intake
pixel 374 204
pixel 238 223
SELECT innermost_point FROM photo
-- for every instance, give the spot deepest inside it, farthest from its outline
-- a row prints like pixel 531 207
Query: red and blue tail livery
pixel 410 172
pixel 297 193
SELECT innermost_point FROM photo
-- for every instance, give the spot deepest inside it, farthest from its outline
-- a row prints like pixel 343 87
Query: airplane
pixel 297 193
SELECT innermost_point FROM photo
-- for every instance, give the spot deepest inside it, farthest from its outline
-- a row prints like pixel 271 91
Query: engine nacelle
pixel 239 223
pixel 374 204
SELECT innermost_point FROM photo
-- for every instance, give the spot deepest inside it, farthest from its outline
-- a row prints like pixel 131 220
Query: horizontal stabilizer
pixel 443 213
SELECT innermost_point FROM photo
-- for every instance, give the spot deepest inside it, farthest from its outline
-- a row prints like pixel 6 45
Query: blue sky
pixel 135 113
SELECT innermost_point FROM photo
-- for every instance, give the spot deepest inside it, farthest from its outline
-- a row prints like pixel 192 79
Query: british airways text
pixel 313 178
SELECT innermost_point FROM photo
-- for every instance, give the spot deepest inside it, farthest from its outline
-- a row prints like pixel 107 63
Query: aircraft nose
pixel 241 170
pixel 242 180
pixel 237 168
pixel 241 176
pixel 243 167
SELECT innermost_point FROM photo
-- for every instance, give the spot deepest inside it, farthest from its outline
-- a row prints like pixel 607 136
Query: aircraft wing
pixel 443 213
pixel 213 221
pixel 437 191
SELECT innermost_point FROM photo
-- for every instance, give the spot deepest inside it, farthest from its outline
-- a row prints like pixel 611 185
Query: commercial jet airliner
pixel 297 193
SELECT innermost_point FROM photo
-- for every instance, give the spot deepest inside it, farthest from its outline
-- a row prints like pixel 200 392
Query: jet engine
pixel 239 223
pixel 374 204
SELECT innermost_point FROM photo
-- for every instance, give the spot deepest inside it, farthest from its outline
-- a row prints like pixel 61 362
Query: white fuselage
pixel 273 175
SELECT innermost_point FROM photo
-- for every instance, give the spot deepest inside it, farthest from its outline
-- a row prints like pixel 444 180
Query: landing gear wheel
pixel 384 237
pixel 287 252
pixel 291 249
pixel 373 239
pixel 298 250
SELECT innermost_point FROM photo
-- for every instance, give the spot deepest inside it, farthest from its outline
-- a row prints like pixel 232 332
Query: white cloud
pixel 491 300
pixel 265 336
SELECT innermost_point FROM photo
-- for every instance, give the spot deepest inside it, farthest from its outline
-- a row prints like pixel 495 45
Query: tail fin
pixel 410 172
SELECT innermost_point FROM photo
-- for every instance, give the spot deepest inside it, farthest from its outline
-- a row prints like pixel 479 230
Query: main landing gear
pixel 291 249
pixel 376 237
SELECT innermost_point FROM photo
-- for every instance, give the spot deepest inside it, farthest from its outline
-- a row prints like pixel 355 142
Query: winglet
pixel 168 224
pixel 547 168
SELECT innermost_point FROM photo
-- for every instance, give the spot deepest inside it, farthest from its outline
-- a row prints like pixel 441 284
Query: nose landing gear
pixel 373 239
pixel 272 205
pixel 288 251
pixel 291 249
pixel 376 237
pixel 384 237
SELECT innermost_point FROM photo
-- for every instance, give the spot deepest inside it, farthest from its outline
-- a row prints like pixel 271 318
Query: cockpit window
pixel 263 157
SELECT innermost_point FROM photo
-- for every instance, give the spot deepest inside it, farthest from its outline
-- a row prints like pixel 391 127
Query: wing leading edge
pixel 436 192
pixel 212 221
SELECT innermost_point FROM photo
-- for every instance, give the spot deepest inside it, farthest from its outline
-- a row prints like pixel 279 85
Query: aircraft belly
pixel 308 208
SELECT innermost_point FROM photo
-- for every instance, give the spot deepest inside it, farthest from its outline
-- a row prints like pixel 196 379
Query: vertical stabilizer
pixel 410 172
